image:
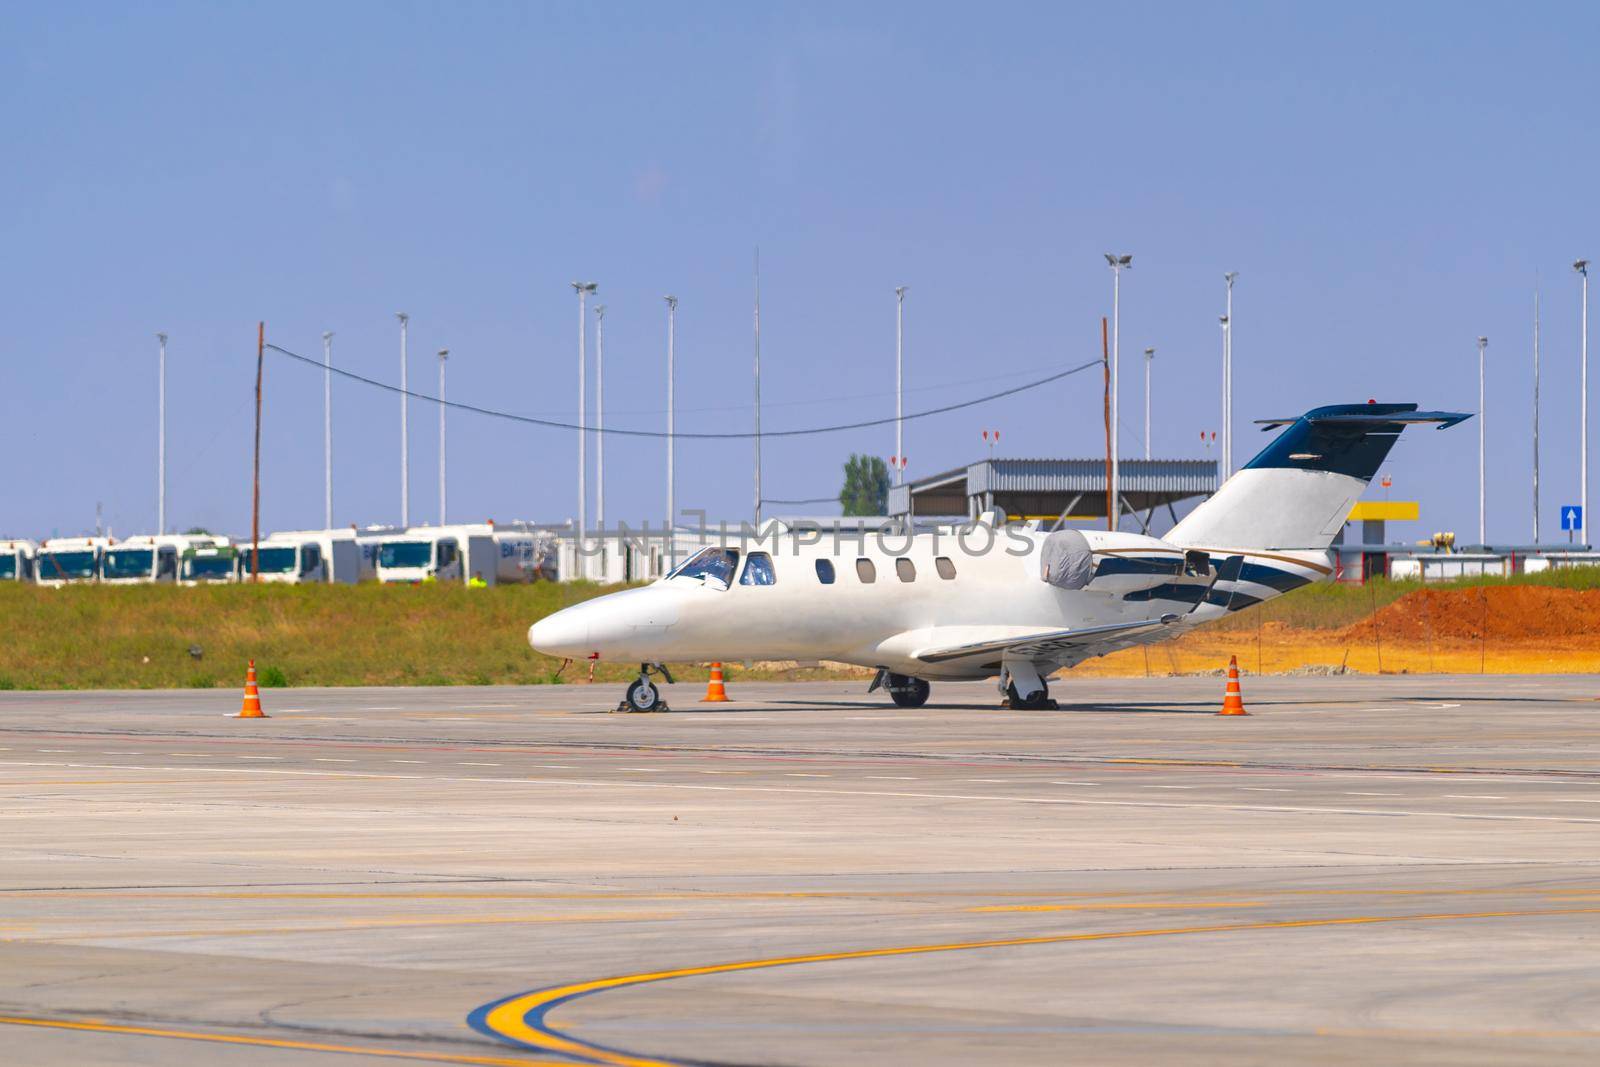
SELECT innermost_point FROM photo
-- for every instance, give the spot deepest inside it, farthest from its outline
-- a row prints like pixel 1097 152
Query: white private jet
pixel 983 599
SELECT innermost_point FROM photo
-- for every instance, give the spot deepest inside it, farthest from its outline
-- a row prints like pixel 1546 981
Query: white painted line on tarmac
pixel 1572 800
pixel 190 754
pixel 258 757
pixel 1075 783
pixel 1472 796
pixel 890 777
pixel 1265 789
pixel 477 765
pixel 1169 787
pixel 612 783
pixel 986 781
pixel 56 750
pixel 329 759
pixel 803 774
pixel 643 770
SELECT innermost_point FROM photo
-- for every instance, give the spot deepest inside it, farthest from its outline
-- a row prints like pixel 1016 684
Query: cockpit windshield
pixel 127 563
pixel 66 566
pixel 717 564
pixel 405 554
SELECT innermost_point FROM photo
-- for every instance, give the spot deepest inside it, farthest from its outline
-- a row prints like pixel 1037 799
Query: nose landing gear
pixel 643 695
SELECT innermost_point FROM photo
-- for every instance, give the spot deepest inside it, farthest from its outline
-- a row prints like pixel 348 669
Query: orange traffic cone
pixel 251 709
pixel 1232 699
pixel 715 693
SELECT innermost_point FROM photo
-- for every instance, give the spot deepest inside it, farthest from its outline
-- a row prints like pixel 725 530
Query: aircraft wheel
pixel 642 696
pixel 908 692
pixel 1039 701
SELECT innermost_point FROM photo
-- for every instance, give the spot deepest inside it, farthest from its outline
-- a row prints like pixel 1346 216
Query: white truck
pixel 440 554
pixel 16 560
pixel 320 556
pixel 69 560
pixel 141 559
pixel 528 552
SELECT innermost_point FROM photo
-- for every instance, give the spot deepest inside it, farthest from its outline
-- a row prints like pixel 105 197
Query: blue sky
pixel 1390 181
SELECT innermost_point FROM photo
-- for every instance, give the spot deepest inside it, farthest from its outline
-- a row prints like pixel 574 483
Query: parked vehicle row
pixel 471 554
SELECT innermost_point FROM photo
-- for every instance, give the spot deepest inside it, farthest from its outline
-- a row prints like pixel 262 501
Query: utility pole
pixel 583 289
pixel 444 354
pixel 1118 264
pixel 899 341
pixel 1149 356
pixel 758 386
pixel 327 430
pixel 1227 381
pixel 255 479
pixel 672 503
pixel 1582 267
pixel 1536 416
pixel 600 416
pixel 161 437
pixel 1483 512
pixel 405 424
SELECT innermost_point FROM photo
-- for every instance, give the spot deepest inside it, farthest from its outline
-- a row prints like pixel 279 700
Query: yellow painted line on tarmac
pixel 510 1018
pixel 345 925
pixel 1157 905
pixel 270 1042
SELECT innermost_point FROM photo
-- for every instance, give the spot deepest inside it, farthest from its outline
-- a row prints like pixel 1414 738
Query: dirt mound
pixel 1507 612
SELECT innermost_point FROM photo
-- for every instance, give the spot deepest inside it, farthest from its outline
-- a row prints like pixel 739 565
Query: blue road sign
pixel 1572 517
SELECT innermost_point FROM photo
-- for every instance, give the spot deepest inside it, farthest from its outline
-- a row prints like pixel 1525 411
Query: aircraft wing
pixel 1045 643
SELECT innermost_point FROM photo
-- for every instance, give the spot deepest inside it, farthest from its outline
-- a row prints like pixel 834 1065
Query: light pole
pixel 1149 356
pixel 672 503
pixel 1117 263
pixel 758 387
pixel 1582 267
pixel 899 342
pixel 1483 512
pixel 1227 381
pixel 583 289
pixel 405 442
pixel 161 436
pixel 444 354
pixel 1222 452
pixel 600 417
pixel 327 430
pixel 1536 416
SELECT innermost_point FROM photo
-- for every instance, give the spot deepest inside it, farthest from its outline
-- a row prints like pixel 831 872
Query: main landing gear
pixel 644 695
pixel 1024 689
pixel 904 690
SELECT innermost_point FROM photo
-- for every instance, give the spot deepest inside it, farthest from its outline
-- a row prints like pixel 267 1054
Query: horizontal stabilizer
pixel 1045 643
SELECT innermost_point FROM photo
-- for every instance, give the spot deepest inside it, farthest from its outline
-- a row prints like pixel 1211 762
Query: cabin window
pixel 945 567
pixel 866 571
pixel 905 569
pixel 758 570
pixel 310 556
pixel 447 553
pixel 167 563
pixel 825 571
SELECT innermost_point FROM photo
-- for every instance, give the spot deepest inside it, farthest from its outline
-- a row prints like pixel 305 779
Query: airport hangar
pixel 1056 490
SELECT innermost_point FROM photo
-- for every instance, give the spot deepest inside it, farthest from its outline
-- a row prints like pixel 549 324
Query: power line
pixel 555 424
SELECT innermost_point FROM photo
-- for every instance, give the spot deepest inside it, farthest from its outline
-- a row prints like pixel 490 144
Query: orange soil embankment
pixel 1505 613
pixel 1493 629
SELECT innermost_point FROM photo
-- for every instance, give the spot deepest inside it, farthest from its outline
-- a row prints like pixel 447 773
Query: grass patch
pixel 273 678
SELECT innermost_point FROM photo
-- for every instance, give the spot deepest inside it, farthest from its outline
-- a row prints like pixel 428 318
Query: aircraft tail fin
pixel 1297 493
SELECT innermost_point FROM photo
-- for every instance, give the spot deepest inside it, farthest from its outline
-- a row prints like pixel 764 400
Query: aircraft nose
pixel 566 633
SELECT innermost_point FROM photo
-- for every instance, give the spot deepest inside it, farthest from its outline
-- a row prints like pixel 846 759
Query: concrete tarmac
pixel 1394 870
